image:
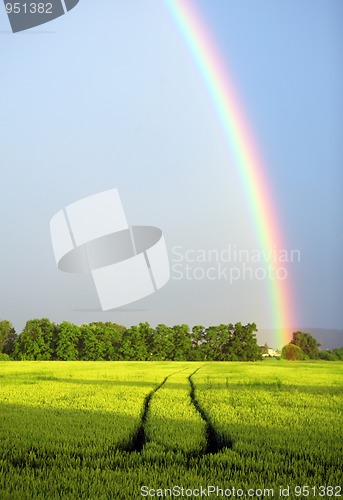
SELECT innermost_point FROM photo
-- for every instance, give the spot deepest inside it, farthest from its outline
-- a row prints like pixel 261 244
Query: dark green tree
pixel 7 337
pixel 234 350
pixel 163 343
pixel 147 334
pixel 217 346
pixel 68 337
pixel 328 355
pixel 133 346
pixel 36 342
pixel 109 336
pixel 244 340
pixel 90 345
pixel 182 343
pixel 307 344
pixel 338 353
pixel 198 338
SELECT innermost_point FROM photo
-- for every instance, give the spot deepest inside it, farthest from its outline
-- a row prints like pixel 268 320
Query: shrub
pixel 292 352
pixel 328 356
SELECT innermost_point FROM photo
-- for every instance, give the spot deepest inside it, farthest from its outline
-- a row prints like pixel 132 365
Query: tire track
pixel 140 439
pixel 215 441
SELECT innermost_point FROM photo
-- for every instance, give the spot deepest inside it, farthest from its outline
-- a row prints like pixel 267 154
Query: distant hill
pixel 329 338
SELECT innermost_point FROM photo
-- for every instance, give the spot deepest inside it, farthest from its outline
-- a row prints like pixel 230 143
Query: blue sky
pixel 110 97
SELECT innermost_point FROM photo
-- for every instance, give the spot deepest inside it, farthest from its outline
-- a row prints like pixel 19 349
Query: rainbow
pixel 244 151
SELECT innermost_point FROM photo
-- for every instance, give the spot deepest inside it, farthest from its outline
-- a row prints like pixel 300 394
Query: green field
pixel 98 430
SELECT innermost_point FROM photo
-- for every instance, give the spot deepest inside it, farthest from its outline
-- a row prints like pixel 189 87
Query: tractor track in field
pixel 139 439
pixel 214 441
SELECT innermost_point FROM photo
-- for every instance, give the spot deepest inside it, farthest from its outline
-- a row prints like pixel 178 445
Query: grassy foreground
pixel 99 430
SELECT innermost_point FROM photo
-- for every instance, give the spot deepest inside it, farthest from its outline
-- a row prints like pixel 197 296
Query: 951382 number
pixel 318 491
pixel 28 8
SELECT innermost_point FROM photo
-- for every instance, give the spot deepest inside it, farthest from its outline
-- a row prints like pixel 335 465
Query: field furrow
pixel 173 421
pixel 214 440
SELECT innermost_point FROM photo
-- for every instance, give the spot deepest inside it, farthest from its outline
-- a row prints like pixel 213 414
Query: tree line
pixel 42 339
pixel 304 346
